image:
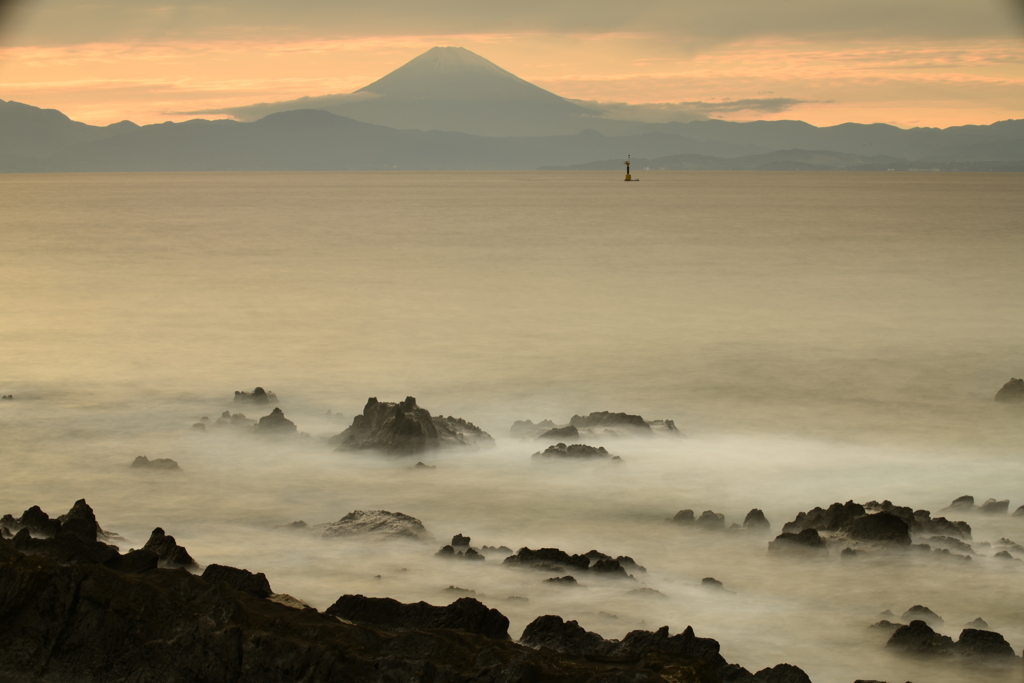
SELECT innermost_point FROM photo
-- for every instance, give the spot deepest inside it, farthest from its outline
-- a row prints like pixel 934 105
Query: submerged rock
pixel 258 396
pixel 155 463
pixel 573 451
pixel 465 614
pixel 379 523
pixel 1011 392
pixel 405 428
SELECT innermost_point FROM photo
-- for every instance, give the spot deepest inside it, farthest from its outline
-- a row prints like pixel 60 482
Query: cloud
pixel 663 112
pixel 253 112
pixel 696 22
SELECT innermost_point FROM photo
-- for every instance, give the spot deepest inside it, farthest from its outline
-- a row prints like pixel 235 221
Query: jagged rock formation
pixel 258 396
pixel 380 523
pixel 806 542
pixel 156 463
pixel 573 451
pixel 168 551
pixel 609 420
pixel 405 428
pixel 275 424
pixel 918 638
pixel 555 560
pixel 922 613
pixel 467 554
pixel 875 522
pixel 1011 392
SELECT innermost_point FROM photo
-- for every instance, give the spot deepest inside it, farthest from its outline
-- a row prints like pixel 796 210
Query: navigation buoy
pixel 628 178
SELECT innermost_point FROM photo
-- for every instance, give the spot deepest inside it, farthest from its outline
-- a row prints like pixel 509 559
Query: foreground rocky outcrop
pixel 85 622
pixel 405 428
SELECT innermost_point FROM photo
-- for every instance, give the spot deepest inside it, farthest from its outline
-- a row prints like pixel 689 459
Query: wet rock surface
pixel 155 464
pixel 377 523
pixel 573 451
pixel 405 428
pixel 1011 392
pixel 275 424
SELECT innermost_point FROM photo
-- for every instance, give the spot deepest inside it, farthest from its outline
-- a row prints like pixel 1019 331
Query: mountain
pixel 449 89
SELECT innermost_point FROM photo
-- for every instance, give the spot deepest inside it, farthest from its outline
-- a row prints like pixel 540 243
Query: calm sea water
pixel 818 337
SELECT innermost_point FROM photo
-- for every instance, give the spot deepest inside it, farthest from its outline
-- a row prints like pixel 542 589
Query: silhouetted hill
pixel 31 132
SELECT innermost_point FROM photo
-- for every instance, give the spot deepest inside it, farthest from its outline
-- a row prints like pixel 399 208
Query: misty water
pixel 816 337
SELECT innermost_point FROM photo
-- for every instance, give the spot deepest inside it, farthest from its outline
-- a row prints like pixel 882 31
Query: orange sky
pixel 938 81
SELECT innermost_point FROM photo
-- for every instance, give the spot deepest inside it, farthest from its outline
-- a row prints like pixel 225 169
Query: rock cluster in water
pixel 376 523
pixel 155 464
pixel 405 428
pixel 575 451
pixel 601 424
pixel 709 520
pixel 258 396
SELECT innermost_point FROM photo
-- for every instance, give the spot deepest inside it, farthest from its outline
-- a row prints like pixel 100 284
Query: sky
pixel 904 62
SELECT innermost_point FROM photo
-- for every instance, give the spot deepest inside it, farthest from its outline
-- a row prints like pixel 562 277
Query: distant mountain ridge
pixel 484 117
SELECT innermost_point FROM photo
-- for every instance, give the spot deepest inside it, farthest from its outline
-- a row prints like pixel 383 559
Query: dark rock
pixel 961 504
pixel 951 543
pixel 605 419
pixel 562 581
pixel 456 431
pixel 81 521
pixel 275 423
pixel 848 553
pixel 1003 555
pixel 882 527
pixel 498 550
pixel 472 554
pixel 1011 392
pixel 807 541
pixel 201 426
pixel 569 433
pixel 459 539
pixel 455 590
pixel 945 527
pixel 525 429
pixel 922 613
pixel 546 557
pixel 1019 512
pixel 446 551
pixel 711 582
pixel 994 507
pixel 668 426
pixel 562 636
pixel 683 517
pixel 155 464
pixel 837 516
pixel 35 520
pixel 465 614
pixel 380 523
pixel 917 638
pixel 710 521
pixel 978 623
pixel 258 396
pixel 166 548
pixel 629 564
pixel 239 579
pixel 976 643
pixel 646 593
pixel 299 524
pixel 422 466
pixel 65 547
pixel 135 562
pixel 609 567
pixel 405 428
pixel 782 673
pixel 576 450
pixel 756 521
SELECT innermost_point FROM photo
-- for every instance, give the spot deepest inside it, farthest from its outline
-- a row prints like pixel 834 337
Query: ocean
pixel 816 337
